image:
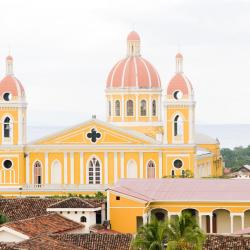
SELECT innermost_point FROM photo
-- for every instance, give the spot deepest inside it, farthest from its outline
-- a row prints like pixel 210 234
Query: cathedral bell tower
pixel 179 108
pixel 12 108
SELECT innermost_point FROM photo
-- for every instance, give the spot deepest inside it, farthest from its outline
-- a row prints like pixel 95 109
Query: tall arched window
pixel 117 108
pixel 154 108
pixel 151 170
pixel 143 108
pixel 37 173
pixel 7 127
pixel 109 107
pixel 178 126
pixel 94 171
pixel 130 108
pixel 56 173
pixel 131 169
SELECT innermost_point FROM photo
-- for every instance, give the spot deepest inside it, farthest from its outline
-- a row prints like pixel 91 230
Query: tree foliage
pixel 237 157
pixel 3 218
pixel 180 233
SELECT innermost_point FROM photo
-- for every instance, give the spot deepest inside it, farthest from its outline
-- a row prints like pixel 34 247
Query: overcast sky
pixel 64 50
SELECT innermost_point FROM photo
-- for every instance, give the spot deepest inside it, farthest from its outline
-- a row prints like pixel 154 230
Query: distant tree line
pixel 237 157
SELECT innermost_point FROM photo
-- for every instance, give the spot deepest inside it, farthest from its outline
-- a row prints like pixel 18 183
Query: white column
pixel 231 223
pixel 145 218
pixel 46 168
pixel 123 113
pixel 106 173
pixel 72 166
pixel 141 164
pixel 115 167
pixel 122 164
pixel 111 107
pixel 28 168
pixel 242 221
pixel 200 220
pixel 211 222
pixel 65 169
pixel 160 164
pixel 81 167
pixel 136 107
pixel 20 126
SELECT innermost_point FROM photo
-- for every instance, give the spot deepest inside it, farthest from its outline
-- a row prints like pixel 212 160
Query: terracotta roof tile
pixel 76 202
pixel 46 242
pixel 98 241
pixel 50 223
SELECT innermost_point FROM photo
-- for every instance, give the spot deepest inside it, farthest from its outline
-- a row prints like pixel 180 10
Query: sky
pixel 64 50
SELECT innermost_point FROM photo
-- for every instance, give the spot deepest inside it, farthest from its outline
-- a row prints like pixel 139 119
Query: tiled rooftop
pixel 98 241
pixel 23 208
pixel 185 189
pixel 46 242
pixel 76 202
pixel 45 224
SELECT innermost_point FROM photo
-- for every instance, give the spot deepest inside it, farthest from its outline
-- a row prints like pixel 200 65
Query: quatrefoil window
pixel 94 135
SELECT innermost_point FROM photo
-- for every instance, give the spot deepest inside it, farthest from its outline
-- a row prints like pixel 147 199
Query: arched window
pixel 178 126
pixel 109 107
pixel 83 219
pixel 7 127
pixel 151 170
pixel 153 108
pixel 143 108
pixel 37 173
pixel 56 173
pixel 117 108
pixel 131 169
pixel 94 169
pixel 172 173
pixel 130 108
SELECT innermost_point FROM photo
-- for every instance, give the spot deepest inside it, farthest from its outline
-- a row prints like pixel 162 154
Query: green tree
pixel 181 233
pixel 184 233
pixel 151 236
pixel 3 218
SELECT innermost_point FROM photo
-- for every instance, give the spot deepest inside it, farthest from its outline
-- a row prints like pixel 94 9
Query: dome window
pixel 178 163
pixel 7 96
pixel 7 164
pixel 130 108
pixel 178 95
pixel 143 108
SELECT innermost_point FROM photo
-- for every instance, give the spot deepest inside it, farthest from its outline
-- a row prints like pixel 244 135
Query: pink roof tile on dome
pixel 133 72
pixel 185 189
pixel 133 36
pixel 179 82
pixel 11 84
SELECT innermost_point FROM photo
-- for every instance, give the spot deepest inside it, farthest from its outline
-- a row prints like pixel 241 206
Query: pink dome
pixel 179 83
pixel 10 84
pixel 133 72
pixel 133 36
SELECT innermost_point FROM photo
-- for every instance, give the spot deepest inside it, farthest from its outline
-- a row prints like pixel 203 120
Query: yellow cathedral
pixel 149 133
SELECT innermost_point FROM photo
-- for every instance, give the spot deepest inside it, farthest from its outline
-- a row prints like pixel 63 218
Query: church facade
pixel 149 133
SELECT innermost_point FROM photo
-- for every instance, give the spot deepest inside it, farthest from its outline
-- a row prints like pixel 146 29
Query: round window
pixel 178 95
pixel 178 163
pixel 7 96
pixel 7 164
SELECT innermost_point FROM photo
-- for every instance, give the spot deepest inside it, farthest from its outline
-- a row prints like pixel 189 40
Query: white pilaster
pixel 27 169
pixel 242 221
pixel 122 164
pixel 20 126
pixel 137 107
pixel 160 164
pixel 211 222
pixel 115 167
pixel 112 108
pixel 46 168
pixel 123 108
pixel 158 108
pixel 141 164
pixel 150 108
pixel 81 167
pixel 106 173
pixel 65 169
pixel 72 166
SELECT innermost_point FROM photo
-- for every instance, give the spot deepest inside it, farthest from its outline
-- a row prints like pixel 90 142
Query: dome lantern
pixel 133 44
pixel 9 65
pixel 179 63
